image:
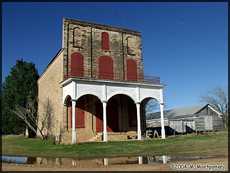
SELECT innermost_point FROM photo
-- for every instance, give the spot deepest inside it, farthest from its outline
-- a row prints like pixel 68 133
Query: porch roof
pixel 101 81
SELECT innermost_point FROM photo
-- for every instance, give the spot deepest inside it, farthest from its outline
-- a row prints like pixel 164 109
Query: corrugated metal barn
pixel 186 120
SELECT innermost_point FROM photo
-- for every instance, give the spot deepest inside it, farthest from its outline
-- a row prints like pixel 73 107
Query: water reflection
pixel 140 160
pixel 16 159
pixel 165 159
pixel 105 161
pixel 95 162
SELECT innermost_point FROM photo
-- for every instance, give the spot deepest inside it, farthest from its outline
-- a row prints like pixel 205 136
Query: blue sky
pixel 183 43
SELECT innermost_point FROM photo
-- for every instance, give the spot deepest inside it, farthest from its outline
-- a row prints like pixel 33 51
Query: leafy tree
pixel 20 84
pixel 218 98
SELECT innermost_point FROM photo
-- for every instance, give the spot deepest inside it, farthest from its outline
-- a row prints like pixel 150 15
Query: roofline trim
pixel 211 107
pixel 219 113
pixel 101 26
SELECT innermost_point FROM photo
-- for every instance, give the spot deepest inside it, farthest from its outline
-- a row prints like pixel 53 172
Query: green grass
pixel 215 143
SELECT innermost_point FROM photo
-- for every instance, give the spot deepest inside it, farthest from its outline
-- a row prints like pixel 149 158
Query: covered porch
pixel 112 109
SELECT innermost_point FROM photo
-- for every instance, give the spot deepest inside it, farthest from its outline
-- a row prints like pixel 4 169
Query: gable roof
pixel 210 107
pixel 173 113
pixel 182 112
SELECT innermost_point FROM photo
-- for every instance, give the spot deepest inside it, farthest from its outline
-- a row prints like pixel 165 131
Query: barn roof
pixel 183 112
pixel 177 112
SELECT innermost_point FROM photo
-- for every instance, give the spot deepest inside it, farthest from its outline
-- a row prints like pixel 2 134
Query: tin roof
pixel 174 113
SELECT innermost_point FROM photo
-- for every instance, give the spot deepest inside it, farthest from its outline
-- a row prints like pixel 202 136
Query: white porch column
pixel 104 122
pixel 162 121
pixel 73 122
pixel 138 121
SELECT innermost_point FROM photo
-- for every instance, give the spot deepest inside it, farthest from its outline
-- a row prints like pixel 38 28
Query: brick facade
pixel 91 51
pixel 93 41
pixel 49 89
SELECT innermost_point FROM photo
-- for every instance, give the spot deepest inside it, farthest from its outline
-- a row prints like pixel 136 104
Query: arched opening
pixel 150 112
pixel 121 114
pixel 77 65
pixel 105 41
pixel 105 67
pixel 88 116
pixel 131 70
pixel 68 115
pixel 89 113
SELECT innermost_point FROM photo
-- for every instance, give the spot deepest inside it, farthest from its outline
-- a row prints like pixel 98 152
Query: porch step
pixel 96 138
pixel 112 136
pixel 66 137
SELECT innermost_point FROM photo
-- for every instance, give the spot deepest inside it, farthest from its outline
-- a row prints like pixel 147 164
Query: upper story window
pixel 105 41
pixel 130 46
pixel 131 70
pixel 77 65
pixel 105 67
pixel 76 37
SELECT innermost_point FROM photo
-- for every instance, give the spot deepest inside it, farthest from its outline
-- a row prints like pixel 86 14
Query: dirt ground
pixel 14 167
pixel 211 164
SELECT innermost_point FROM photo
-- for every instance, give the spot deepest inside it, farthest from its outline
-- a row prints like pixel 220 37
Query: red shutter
pixel 99 118
pixel 105 67
pixel 77 65
pixel 80 118
pixel 131 70
pixel 105 41
pixel 80 114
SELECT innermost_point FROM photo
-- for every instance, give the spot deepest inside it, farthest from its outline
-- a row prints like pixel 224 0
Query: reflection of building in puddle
pixel 88 163
pixel 74 163
pixel 135 160
pixel 31 160
pixel 105 161
pixel 121 160
pixel 140 160
pixel 163 159
pixel 71 162
pixel 46 161
pixel 155 159
pixel 125 160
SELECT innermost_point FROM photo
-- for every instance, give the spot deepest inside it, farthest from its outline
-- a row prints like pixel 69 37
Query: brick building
pixel 95 86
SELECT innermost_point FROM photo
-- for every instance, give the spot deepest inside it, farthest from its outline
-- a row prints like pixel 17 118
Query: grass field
pixel 213 143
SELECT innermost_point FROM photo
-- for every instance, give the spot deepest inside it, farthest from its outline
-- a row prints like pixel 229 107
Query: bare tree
pixel 218 98
pixel 47 116
pixel 28 115
pixel 152 106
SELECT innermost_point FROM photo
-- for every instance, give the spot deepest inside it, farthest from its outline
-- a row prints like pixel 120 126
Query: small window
pixel 105 41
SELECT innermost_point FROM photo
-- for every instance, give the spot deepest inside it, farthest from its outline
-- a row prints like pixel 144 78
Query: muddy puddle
pixel 128 161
